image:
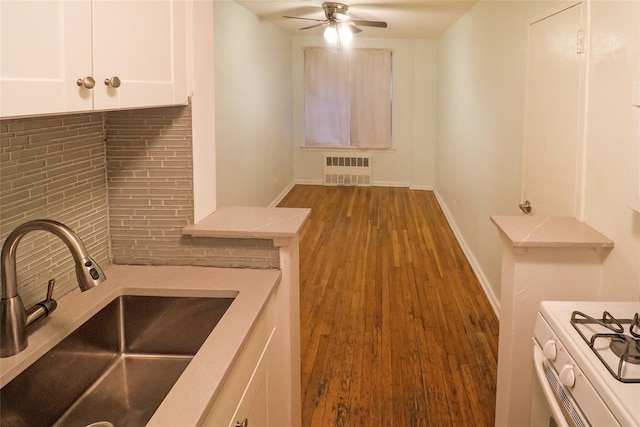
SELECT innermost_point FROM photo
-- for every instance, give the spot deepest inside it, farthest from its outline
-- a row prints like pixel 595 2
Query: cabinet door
pixel 45 46
pixel 253 406
pixel 143 44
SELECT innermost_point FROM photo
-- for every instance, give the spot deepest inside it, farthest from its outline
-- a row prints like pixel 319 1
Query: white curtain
pixel 371 98
pixel 326 98
pixel 348 98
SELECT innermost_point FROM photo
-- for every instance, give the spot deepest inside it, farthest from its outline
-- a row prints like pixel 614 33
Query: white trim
pixel 391 184
pixel 308 182
pixel 373 184
pixel 553 11
pixel 282 195
pixel 421 187
pixel 475 265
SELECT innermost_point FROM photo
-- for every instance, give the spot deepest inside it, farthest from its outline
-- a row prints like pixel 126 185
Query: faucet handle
pixel 43 308
pixel 50 285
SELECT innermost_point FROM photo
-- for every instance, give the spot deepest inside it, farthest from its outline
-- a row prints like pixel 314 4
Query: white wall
pixel 411 161
pixel 481 77
pixel 615 64
pixel 423 159
pixel 201 89
pixel 254 162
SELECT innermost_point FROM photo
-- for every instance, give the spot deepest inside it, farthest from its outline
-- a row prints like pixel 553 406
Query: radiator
pixel 343 170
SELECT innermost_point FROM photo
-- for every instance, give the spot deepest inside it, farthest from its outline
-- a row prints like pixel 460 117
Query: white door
pixel 45 47
pixel 554 113
pixel 143 44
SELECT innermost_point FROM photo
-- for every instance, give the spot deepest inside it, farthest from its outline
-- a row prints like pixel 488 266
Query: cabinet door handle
pixel 87 82
pixel 243 423
pixel 113 82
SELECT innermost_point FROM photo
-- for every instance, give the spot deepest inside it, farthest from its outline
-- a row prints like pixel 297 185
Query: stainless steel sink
pixel 115 368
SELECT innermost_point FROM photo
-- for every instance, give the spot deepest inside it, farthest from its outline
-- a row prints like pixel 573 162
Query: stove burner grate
pixel 625 347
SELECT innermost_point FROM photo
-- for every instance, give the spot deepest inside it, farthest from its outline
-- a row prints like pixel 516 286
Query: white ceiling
pixel 406 19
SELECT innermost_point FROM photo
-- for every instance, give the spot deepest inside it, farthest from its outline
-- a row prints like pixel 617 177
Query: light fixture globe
pixel 345 34
pixel 331 34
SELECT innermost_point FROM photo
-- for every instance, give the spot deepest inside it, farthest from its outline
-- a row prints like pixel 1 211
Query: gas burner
pixel 607 330
pixel 627 348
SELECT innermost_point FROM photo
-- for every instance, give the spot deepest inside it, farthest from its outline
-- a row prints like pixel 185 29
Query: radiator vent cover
pixel 347 170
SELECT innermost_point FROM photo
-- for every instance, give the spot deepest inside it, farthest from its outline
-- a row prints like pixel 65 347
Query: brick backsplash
pixel 53 167
pixel 122 181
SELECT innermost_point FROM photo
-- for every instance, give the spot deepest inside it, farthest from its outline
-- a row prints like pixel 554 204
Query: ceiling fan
pixel 336 16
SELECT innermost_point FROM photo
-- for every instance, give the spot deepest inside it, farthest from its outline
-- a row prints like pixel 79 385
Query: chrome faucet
pixel 14 319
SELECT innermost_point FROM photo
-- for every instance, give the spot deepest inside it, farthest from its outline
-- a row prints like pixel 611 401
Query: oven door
pixel 551 406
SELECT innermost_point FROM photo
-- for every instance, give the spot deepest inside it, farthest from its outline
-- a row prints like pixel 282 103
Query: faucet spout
pixel 13 335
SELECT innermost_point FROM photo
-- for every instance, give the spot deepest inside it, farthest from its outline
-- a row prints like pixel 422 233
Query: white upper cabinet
pixel 61 56
pixel 143 44
pixel 42 55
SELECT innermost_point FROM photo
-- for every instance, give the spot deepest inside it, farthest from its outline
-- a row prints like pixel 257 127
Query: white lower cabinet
pixel 253 408
pixel 245 399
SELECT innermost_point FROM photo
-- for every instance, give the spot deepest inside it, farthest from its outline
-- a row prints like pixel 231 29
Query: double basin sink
pixel 116 368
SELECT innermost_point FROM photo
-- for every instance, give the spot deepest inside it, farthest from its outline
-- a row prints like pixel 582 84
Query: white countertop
pixel 549 232
pixel 250 222
pixel 199 383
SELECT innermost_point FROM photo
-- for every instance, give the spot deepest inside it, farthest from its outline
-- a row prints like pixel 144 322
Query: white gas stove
pixel 587 357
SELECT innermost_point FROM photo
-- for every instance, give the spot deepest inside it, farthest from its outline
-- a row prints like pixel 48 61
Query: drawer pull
pixel 243 423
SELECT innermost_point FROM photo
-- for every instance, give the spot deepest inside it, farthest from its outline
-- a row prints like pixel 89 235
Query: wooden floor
pixel 396 330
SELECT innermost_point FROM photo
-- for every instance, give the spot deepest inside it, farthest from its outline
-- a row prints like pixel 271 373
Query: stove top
pixel 615 342
pixel 603 348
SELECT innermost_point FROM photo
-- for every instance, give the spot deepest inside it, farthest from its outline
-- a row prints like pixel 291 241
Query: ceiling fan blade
pixel 353 28
pixel 314 26
pixel 379 24
pixel 306 19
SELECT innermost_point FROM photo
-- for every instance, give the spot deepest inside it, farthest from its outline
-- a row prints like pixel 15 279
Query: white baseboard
pixel 390 184
pixel 421 187
pixel 282 195
pixel 374 184
pixel 308 181
pixel 473 261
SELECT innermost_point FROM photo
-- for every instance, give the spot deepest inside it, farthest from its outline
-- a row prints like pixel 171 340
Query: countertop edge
pixel 250 222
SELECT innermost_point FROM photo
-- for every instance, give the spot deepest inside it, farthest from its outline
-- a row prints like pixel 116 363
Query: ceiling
pixel 406 19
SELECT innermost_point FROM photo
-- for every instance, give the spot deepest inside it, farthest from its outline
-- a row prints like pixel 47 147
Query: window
pixel 347 98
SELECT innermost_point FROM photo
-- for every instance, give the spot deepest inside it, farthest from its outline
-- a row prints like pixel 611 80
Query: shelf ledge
pixel 549 232
pixel 279 224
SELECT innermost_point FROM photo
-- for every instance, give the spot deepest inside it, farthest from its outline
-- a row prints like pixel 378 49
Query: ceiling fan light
pixel 345 34
pixel 331 34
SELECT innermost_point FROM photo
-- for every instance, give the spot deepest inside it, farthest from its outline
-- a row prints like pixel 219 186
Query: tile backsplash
pixel 122 181
pixel 149 176
pixel 53 167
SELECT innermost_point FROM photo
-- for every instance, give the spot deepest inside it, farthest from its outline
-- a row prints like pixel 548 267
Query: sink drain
pixel 101 424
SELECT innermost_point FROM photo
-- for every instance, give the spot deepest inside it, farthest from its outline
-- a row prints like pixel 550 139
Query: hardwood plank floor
pixel 396 330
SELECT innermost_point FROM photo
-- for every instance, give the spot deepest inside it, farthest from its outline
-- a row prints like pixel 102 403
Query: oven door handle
pixel 556 411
